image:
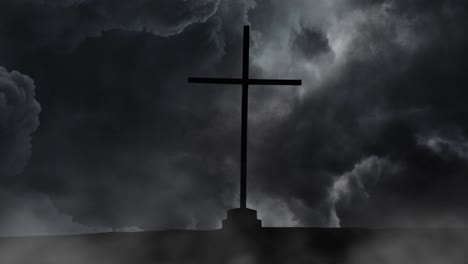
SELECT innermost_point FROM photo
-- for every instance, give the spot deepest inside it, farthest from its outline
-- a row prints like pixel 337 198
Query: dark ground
pixel 266 245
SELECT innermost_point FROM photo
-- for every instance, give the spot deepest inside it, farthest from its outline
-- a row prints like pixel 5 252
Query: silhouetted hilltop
pixel 263 245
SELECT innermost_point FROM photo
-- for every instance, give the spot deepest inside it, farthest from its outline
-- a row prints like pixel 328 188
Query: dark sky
pixel 99 128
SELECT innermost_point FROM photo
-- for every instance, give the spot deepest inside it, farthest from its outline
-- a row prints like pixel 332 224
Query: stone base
pixel 241 218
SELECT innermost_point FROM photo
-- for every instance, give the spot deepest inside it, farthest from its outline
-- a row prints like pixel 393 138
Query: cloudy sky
pixel 99 129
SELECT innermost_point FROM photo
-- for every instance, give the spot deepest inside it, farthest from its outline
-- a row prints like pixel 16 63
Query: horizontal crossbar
pixel 241 81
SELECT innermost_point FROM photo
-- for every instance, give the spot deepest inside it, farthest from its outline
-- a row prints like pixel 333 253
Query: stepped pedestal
pixel 241 219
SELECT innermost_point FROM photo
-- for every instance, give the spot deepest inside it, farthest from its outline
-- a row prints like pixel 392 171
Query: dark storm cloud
pixel 128 139
pixel 310 43
pixel 142 135
pixel 401 76
pixel 35 214
pixel 19 118
pixel 449 144
pixel 31 25
pixel 124 141
pixel 351 187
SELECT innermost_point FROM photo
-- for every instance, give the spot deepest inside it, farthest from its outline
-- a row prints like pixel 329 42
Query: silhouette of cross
pixel 245 81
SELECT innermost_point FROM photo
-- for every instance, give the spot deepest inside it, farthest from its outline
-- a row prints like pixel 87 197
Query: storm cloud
pixel 125 141
pixel 394 77
pixel 32 25
pixel 19 118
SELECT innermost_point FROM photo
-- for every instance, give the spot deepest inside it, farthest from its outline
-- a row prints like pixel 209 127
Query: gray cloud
pixel 32 25
pixel 310 43
pixel 178 144
pixel 19 118
pixel 447 146
pixel 131 144
pixel 374 99
pixel 35 215
pixel 354 185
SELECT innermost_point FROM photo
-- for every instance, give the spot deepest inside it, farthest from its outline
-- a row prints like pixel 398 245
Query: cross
pixel 245 81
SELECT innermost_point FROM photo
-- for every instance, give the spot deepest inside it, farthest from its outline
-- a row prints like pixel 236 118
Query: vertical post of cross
pixel 245 102
pixel 243 217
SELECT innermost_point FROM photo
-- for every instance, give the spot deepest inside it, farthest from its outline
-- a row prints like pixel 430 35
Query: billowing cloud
pixel 130 143
pixel 19 118
pixel 167 185
pixel 310 43
pixel 34 214
pixel 446 146
pixel 32 25
pixel 375 99
pixel 354 185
